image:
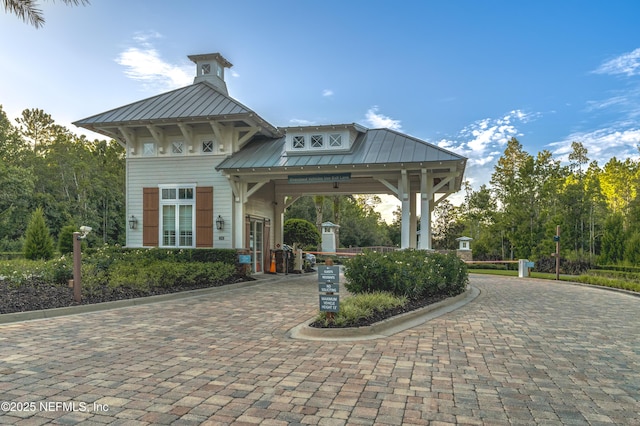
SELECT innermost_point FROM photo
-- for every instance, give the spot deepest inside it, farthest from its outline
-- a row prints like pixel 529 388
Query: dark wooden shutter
pixel 150 216
pixel 204 216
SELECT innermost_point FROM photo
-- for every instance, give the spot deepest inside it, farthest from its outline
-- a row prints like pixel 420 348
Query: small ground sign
pixel 329 288
pixel 329 302
pixel 328 274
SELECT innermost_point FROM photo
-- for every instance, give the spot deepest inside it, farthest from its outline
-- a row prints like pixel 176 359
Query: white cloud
pixel 327 93
pixel 602 144
pixel 481 140
pixel 627 64
pixel 301 122
pixel 376 120
pixel 144 63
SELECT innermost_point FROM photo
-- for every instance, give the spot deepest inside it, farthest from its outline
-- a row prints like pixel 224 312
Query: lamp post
pixel 557 240
pixel 77 276
pixel 77 262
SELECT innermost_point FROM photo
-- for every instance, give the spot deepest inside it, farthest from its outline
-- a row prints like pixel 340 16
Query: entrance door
pixel 256 243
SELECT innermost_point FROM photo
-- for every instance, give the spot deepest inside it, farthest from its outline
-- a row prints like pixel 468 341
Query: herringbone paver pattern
pixel 524 352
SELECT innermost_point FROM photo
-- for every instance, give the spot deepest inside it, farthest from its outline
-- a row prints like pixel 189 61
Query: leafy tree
pixel 12 145
pixel 37 127
pixel 65 239
pixel 301 232
pixel 632 249
pixel 447 226
pixel 16 195
pixel 395 228
pixel 596 205
pixel 512 182
pixel 618 183
pixel 361 225
pixel 613 240
pixel 28 10
pixel 38 243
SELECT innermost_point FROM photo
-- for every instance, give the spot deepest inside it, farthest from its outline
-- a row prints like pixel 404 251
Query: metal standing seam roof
pixel 375 146
pixel 199 100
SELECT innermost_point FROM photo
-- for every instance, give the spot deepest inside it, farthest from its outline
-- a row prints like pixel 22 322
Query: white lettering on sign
pixel 329 303
pixel 329 274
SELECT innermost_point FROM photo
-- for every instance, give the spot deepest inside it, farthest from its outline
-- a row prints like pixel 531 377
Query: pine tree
pixel 38 243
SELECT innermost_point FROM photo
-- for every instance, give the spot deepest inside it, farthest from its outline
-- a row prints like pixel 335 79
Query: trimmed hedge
pixel 414 274
pixel 146 275
pixel 112 265
pixel 229 256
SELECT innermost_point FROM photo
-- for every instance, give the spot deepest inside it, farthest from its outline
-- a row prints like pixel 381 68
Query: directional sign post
pixel 328 283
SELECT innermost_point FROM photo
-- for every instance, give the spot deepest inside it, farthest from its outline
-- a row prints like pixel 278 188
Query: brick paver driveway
pixel 523 352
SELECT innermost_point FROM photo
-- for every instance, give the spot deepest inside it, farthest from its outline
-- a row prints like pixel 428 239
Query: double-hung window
pixel 177 216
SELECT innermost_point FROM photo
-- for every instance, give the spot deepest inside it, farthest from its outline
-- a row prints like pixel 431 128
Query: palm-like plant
pixel 28 10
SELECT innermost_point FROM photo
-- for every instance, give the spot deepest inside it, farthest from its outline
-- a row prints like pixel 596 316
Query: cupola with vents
pixel 210 68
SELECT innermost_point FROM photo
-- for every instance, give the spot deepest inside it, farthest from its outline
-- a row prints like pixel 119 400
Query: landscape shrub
pixel 409 273
pixel 361 306
pixel 105 255
pixel 65 239
pixel 622 268
pixel 567 266
pixel 20 271
pixel 145 274
pixel 301 232
pixel 620 275
pixel 38 242
pixel 143 269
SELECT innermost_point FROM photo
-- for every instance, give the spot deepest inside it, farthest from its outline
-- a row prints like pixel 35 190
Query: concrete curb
pixel 387 327
pixel 125 303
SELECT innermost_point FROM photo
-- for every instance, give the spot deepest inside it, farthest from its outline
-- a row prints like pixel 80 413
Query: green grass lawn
pixel 584 278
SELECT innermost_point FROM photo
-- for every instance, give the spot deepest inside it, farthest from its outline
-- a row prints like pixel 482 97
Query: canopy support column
pixel 404 191
pixel 426 195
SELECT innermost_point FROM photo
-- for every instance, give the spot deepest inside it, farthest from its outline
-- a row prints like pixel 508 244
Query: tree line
pixel 74 180
pixel 597 209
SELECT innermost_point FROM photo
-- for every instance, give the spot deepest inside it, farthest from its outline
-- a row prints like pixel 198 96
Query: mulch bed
pixel 36 294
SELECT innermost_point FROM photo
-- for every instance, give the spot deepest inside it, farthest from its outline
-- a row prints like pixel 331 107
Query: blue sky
pixel 465 75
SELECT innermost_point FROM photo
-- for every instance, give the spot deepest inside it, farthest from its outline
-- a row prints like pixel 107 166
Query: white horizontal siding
pixel 151 172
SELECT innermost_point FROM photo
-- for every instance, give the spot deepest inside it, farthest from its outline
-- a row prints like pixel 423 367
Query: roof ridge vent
pixel 210 68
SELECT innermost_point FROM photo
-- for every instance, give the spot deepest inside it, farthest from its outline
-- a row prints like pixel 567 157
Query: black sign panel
pixel 328 274
pixel 329 303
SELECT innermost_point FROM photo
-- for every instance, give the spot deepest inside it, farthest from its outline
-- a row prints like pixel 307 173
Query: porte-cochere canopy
pixel 369 161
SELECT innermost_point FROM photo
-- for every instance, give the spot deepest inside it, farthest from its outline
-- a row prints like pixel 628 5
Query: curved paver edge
pixel 387 327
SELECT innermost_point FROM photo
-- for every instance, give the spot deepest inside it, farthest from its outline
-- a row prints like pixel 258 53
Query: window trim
pixel 151 144
pixel 177 202
pixel 308 139
pixel 183 147
pixel 202 146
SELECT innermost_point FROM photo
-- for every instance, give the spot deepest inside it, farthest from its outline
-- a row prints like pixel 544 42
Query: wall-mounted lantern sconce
pixel 335 185
pixel 220 223
pixel 133 222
